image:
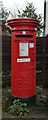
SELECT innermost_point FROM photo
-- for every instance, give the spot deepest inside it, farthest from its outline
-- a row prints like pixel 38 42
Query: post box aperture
pixel 23 58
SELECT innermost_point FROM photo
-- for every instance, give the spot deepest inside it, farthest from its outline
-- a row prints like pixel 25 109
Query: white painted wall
pixel 46 28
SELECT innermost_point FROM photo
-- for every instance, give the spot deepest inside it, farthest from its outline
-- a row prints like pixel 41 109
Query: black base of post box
pixel 29 100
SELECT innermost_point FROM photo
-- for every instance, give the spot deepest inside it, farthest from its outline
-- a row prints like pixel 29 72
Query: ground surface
pixel 37 111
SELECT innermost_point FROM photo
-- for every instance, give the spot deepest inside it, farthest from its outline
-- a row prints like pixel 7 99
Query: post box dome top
pixel 13 23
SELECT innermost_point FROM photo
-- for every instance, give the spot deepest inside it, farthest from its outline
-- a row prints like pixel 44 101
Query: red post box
pixel 23 58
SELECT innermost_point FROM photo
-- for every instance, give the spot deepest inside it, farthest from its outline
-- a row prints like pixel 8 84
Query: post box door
pixel 26 65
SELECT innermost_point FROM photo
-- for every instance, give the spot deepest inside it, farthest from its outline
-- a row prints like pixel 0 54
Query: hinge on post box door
pixel 16 40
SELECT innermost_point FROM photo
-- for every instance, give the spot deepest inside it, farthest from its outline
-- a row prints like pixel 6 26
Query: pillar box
pixel 23 58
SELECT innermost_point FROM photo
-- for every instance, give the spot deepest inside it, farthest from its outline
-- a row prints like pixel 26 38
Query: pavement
pixel 35 111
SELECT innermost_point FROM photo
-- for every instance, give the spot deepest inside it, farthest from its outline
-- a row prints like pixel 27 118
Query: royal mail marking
pixel 23 60
pixel 24 32
pixel 31 45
